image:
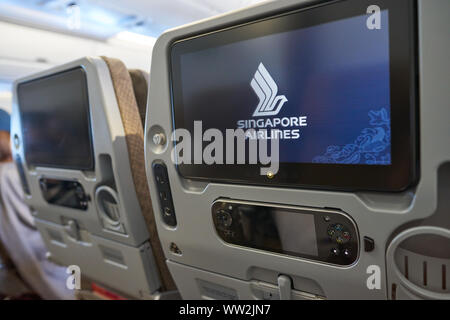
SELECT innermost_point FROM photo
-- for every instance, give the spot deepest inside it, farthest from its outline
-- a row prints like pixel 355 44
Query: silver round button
pixel 159 139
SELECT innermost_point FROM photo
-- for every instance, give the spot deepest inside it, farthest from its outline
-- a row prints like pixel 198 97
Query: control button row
pixel 347 253
pixel 165 195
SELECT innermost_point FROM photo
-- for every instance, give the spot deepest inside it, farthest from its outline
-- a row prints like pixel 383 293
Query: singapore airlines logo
pixel 266 89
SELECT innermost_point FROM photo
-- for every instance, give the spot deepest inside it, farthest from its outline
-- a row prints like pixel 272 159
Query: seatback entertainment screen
pixel 55 121
pixel 330 83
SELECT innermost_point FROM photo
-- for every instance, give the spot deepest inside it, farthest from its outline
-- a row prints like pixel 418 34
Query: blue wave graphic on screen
pixel 372 146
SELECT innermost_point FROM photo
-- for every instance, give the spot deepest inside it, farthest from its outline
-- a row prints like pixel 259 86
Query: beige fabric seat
pixel 131 93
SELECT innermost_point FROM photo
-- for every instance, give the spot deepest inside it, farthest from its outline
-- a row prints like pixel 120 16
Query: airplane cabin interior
pixel 225 150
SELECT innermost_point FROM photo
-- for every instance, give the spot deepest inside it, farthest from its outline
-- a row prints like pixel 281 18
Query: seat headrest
pixel 140 86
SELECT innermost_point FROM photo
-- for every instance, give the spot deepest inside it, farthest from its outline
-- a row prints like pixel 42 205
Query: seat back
pixel 96 215
pixel 355 196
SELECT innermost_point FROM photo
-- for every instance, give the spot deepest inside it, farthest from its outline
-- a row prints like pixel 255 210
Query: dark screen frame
pixel 404 169
pixel 90 161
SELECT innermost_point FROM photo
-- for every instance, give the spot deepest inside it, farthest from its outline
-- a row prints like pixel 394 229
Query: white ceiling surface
pixel 102 18
pixel 35 33
pixel 165 14
pixel 24 50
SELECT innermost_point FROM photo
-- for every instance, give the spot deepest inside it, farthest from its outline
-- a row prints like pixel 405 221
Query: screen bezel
pixel 404 170
pixel 90 166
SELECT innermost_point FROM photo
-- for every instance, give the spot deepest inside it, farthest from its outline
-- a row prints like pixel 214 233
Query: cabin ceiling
pixel 101 19
pixel 68 29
